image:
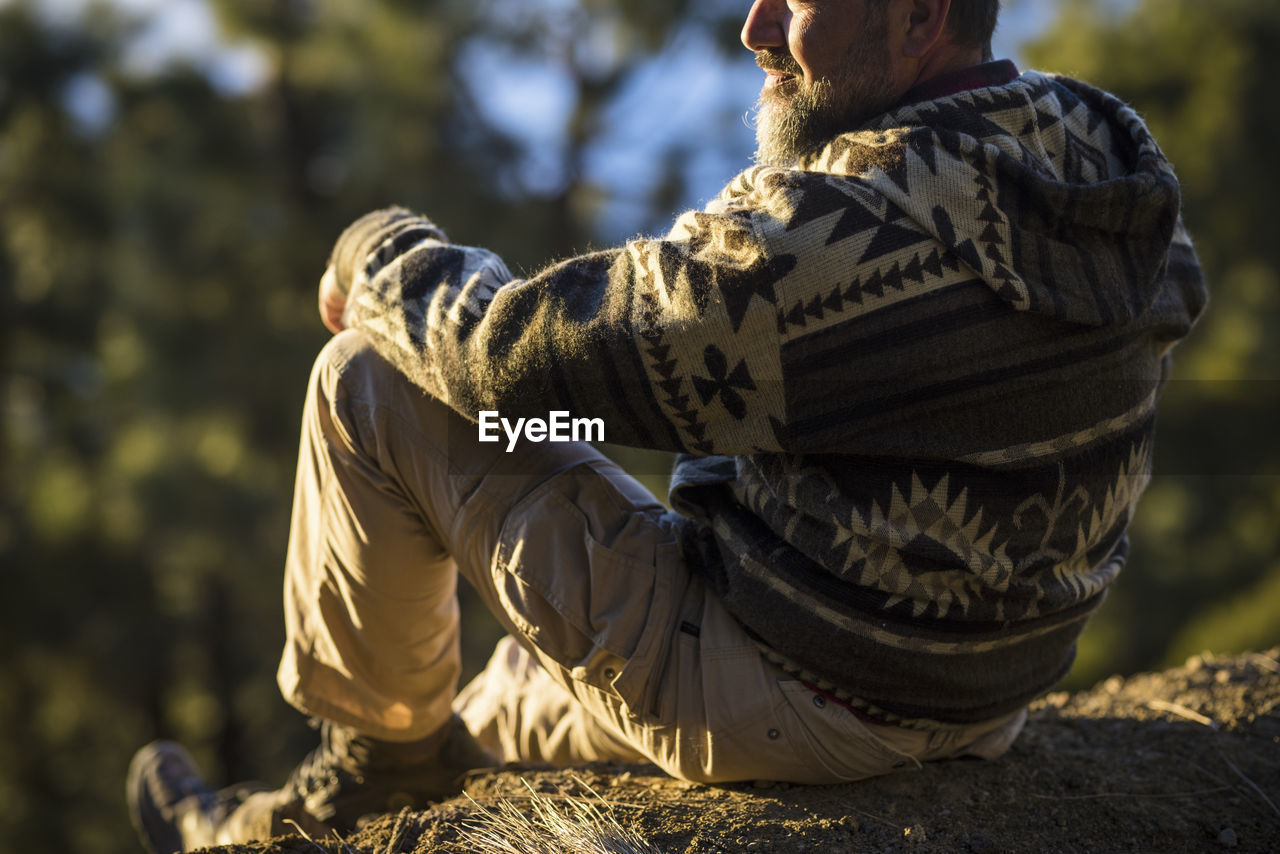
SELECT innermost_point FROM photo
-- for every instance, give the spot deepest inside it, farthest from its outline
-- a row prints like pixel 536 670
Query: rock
pixel 980 844
pixel 1052 792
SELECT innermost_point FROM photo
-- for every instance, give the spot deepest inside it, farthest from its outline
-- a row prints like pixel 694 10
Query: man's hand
pixel 332 301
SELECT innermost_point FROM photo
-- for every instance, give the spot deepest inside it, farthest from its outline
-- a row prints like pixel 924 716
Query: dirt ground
pixel 1186 760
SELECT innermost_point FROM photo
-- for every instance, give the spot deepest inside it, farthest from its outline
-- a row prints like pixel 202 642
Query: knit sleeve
pixel 670 342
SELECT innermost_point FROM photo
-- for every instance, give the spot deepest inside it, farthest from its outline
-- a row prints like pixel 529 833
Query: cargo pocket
pixel 841 745
pixel 585 576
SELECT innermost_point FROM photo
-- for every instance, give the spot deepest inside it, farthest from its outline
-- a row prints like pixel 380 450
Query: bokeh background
pixel 173 173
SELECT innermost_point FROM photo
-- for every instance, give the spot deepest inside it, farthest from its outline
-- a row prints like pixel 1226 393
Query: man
pixel 911 358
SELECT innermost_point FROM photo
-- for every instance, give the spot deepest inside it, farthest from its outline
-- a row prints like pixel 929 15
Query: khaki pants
pixel 616 652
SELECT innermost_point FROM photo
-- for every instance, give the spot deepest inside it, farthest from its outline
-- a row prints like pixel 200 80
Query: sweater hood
pixel 1051 191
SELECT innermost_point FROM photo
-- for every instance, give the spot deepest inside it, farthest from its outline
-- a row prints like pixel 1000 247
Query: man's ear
pixel 925 27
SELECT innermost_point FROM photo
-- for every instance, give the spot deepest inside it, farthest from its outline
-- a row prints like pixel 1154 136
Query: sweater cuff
pixel 354 245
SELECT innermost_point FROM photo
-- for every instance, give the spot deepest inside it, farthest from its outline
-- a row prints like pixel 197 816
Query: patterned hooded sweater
pixel 913 379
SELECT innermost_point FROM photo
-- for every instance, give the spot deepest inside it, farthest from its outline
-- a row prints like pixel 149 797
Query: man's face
pixel 829 69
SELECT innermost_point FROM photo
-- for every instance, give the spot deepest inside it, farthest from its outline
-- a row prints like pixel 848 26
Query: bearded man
pixel 910 360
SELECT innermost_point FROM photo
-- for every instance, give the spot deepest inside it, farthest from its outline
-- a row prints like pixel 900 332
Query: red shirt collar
pixel 997 73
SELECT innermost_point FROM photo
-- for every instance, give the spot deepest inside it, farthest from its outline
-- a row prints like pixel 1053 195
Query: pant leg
pixel 519 713
pixel 371 617
pixel 393 492
pixel 633 655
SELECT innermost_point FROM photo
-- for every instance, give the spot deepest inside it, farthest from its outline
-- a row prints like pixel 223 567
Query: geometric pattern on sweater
pixel 936 550
pixel 693 324
pixel 1062 444
pixel 723 364
pixel 915 374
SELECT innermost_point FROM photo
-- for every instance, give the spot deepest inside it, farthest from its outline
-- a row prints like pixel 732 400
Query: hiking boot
pixel 171 806
pixel 351 776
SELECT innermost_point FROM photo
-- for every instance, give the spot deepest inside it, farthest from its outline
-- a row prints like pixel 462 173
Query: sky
pixel 174 30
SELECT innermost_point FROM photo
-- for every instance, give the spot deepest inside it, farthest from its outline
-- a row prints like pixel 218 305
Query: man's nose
pixel 766 25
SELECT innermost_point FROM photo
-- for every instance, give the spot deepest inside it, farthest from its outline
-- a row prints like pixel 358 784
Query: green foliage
pixel 1242 623
pixel 1201 74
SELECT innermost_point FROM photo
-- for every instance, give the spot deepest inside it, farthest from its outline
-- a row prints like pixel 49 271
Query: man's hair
pixel 972 22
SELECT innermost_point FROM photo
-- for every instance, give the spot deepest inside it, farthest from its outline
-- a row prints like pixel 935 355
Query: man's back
pixel 980 295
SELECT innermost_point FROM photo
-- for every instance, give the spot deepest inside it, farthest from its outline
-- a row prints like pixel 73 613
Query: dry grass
pixel 552 824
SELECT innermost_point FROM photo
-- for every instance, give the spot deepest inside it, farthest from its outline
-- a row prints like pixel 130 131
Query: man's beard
pixel 795 119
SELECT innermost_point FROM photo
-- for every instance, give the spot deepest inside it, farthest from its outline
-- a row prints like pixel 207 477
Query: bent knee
pixel 350 347
pixel 349 362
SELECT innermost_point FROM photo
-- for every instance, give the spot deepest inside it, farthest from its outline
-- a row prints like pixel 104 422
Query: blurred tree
pixel 1201 73
pixel 160 242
